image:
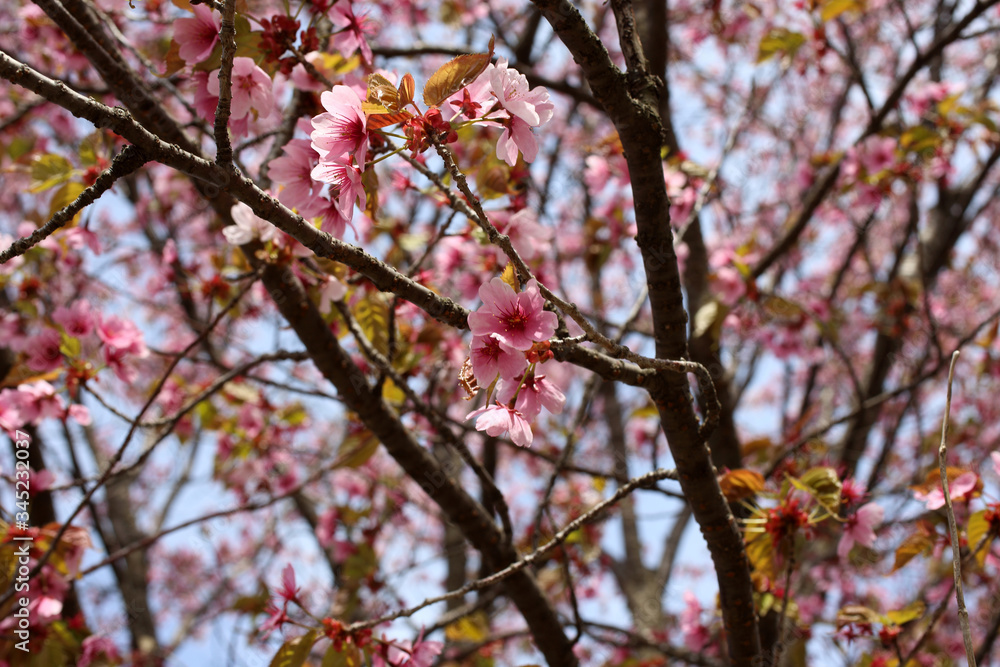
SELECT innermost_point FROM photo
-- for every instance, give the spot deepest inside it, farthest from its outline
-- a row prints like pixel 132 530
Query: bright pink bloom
pixel 43 351
pixel 351 36
pixel 403 654
pixel 346 181
pixel 39 400
pixel 996 462
pixel 511 88
pixel 288 590
pixel 248 227
pixel 197 36
pixel 121 334
pixel 80 414
pixel 119 361
pixel 517 320
pixel 499 419
pixel 275 619
pixel 516 136
pixel 205 103
pixel 860 528
pixel 341 130
pixel 962 485
pixel 252 89
pixel 77 320
pixel 10 410
pixel 536 392
pixel 98 649
pixel 292 170
pixel 490 357
pixel 696 635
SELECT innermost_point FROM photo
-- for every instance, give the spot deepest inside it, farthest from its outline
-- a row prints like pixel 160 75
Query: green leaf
pixel 372 314
pixel 294 652
pixel 20 145
pixel 910 612
pixel 48 171
pixel 90 147
pixel 977 529
pixel 916 544
pixel 454 75
pixel 779 40
pixel 347 656
pixel 63 197
pixel 357 448
pixel 69 346
pixel 823 484
pixel 834 8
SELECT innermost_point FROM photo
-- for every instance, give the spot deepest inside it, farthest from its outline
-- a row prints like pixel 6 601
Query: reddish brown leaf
pixel 454 75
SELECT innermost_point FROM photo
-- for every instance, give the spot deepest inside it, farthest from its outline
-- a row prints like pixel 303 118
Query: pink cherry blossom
pixel 77 320
pixel 288 590
pixel 996 462
pixel 962 485
pixel 498 419
pixel 252 89
pixel 511 88
pixel 97 649
pixel 516 136
pixel 121 335
pixel 248 227
pixel 517 320
pixel 403 654
pixel 43 351
pixel 292 170
pixel 275 619
pixel 491 357
pixel 39 400
pixel 206 102
pixel 10 409
pixel 351 36
pixel 860 528
pixel 535 393
pixel 341 130
pixel 346 181
pixel 197 36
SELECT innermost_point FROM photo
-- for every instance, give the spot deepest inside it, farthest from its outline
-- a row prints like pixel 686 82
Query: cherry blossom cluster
pixel 510 332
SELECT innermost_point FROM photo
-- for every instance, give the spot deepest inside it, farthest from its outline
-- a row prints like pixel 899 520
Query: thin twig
pixel 647 480
pixel 128 160
pixel 956 549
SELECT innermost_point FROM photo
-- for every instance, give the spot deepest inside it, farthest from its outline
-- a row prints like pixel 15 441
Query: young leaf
pixel 407 88
pixel 779 40
pixel 454 75
pixel 916 544
pixel 48 171
pixel 381 91
pixel 910 612
pixel 741 483
pixel 977 529
pixel 294 652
